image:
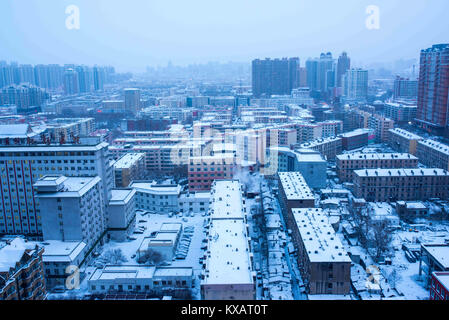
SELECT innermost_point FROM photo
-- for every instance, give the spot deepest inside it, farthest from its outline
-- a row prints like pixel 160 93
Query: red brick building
pixel 22 274
pixel 439 288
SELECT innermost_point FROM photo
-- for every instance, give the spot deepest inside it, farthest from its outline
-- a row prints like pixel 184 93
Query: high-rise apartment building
pixel 72 209
pixel 71 82
pixel 433 89
pixel 343 65
pixel 25 97
pixel 132 100
pixel 355 85
pixel 275 77
pixel 22 165
pixel 99 78
pixel 405 89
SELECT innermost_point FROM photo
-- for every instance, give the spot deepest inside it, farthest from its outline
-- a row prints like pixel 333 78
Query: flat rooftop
pixel 128 160
pixel 376 156
pixel 355 133
pixel 121 196
pixel 73 187
pixel 401 172
pixel 319 142
pixel 441 147
pixel 439 252
pixel 319 238
pixel 226 200
pixel 405 134
pixel 295 186
pixel 228 258
pixel 154 188
pixel 62 251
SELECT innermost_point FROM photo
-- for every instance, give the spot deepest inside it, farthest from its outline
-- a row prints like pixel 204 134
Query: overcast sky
pixel 133 34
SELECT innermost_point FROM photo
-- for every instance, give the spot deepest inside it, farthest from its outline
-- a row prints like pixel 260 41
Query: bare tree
pixel 114 257
pixel 362 222
pixel 381 237
pixel 151 257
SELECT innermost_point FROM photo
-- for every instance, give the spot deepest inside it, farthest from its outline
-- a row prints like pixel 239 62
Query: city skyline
pixel 120 34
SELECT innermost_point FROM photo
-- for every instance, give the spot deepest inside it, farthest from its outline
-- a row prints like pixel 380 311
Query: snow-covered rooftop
pixel 228 257
pixel 443 148
pixel 73 186
pixel 62 251
pixel 12 252
pixel 439 252
pixel 295 186
pixel 128 160
pixel 405 134
pixel 121 196
pixel 154 188
pixel 318 236
pixel 443 278
pixel 376 156
pixel 401 172
pixel 226 200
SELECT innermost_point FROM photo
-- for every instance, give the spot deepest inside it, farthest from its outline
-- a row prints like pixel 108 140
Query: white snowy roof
pixel 295 186
pixel 11 253
pixel 128 160
pixel 439 252
pixel 443 148
pixel 401 172
pixel 228 258
pixel 318 236
pixel 376 156
pixel 319 142
pixel 121 196
pixel 356 132
pixel 154 188
pixel 226 200
pixel 61 251
pixel 73 187
pixel 405 134
pixel 443 278
pixel 118 273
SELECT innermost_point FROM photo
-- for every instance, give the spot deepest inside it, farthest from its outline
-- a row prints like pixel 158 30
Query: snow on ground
pixel 129 248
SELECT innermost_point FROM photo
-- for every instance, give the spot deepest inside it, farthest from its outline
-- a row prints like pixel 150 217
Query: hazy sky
pixel 131 34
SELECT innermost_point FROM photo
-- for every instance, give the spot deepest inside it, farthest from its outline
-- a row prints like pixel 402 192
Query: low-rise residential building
pixel 163 243
pixel 60 260
pixel 439 287
pixel 228 266
pixel 411 209
pixel 433 258
pixel 129 168
pixel 139 279
pixel 329 147
pixel 308 162
pixel 325 265
pixel 204 170
pixel 348 163
pixel 390 185
pixel 197 202
pixel 293 193
pixel 21 271
pixel 400 113
pixel 313 168
pixel 402 140
pixel 381 126
pixel 157 197
pixel 355 139
pixel 433 154
pixel 122 213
